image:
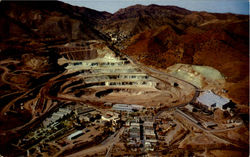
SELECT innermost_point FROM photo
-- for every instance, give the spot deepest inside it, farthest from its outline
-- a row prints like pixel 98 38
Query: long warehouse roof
pixel 209 98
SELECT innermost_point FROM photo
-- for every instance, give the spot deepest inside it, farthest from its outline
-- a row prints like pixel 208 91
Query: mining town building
pixel 75 135
pixel 213 101
pixel 122 107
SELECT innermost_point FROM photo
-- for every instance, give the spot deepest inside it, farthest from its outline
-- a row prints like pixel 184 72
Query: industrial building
pixel 60 114
pixel 213 101
pixel 134 130
pixel 127 107
pixel 137 107
pixel 82 110
pixel 75 135
pixel 209 124
pixel 122 107
pixel 149 135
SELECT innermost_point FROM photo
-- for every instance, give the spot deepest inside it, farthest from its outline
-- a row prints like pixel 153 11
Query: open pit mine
pixel 144 81
pixel 100 94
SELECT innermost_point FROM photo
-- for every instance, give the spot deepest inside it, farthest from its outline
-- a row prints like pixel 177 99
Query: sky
pixel 218 6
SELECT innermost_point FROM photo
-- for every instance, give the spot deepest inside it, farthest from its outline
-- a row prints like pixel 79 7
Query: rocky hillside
pixel 130 21
pixel 135 19
pixel 216 40
pixel 52 20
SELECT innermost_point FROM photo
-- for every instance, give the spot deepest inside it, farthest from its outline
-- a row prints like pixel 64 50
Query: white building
pixel 56 116
pixel 122 107
pixel 75 135
pixel 212 101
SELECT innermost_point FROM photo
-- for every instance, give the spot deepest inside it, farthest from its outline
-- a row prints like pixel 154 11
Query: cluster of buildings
pixel 86 114
pixel 141 134
pixel 149 135
pixel 56 116
pixel 134 134
pixel 110 117
pixel 116 37
pixel 164 126
pixel 59 123
pixel 208 102
pixel 53 127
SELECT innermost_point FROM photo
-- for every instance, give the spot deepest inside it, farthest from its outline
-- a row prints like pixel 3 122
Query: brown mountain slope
pixel 53 19
pixel 222 44
pixel 135 19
